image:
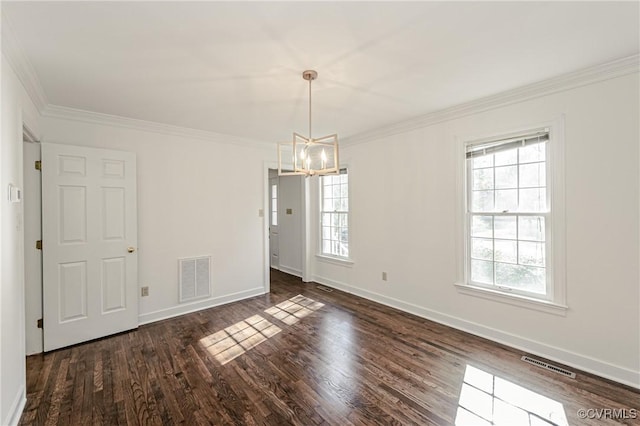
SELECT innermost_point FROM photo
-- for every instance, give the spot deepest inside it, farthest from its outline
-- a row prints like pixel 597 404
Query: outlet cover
pixel 144 291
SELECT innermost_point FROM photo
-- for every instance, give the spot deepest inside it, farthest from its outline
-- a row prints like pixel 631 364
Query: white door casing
pixel 89 233
pixel 274 242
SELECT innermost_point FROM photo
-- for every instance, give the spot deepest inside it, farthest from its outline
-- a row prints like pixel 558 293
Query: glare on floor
pixel 486 399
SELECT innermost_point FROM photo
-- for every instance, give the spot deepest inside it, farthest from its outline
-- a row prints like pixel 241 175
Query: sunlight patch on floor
pixel 486 399
pixel 292 310
pixel 228 344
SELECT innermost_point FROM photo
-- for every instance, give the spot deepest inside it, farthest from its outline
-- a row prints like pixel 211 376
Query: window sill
pixel 513 299
pixel 335 260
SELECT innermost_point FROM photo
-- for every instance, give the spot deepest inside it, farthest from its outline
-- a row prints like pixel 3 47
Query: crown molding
pixel 583 77
pixel 13 51
pixel 65 113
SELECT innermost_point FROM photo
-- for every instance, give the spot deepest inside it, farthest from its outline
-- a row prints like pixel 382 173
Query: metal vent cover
pixel 323 288
pixel 195 277
pixel 549 367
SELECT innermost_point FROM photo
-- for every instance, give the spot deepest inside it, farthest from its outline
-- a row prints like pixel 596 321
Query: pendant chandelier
pixel 309 156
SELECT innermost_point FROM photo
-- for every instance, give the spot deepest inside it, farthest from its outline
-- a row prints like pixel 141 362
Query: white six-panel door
pixel 89 234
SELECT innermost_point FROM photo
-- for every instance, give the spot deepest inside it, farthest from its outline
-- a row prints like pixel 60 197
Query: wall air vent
pixel 549 367
pixel 195 278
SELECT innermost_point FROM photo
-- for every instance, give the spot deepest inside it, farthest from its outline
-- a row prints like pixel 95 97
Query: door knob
pixel 131 249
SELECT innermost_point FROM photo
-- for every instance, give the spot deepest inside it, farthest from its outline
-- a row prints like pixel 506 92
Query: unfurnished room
pixel 320 213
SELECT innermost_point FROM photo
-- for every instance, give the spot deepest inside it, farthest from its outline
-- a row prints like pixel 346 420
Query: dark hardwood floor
pixel 303 356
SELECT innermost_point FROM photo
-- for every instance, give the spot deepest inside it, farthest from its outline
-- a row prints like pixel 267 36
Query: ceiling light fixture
pixel 309 156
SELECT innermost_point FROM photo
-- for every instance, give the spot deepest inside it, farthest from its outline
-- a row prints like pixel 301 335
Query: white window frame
pixel 328 257
pixel 555 299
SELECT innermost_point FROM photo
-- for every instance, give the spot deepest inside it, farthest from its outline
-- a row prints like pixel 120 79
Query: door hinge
pixel 39 244
pixel 39 323
pixel 38 165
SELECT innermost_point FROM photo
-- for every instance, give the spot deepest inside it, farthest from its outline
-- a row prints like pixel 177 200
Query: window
pixel 274 205
pixel 335 215
pixel 508 215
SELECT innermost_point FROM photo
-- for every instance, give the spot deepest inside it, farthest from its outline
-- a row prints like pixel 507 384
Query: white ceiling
pixel 235 67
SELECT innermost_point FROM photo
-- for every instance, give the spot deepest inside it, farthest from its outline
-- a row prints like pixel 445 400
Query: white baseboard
pixel 291 271
pixel 600 368
pixel 188 308
pixel 15 412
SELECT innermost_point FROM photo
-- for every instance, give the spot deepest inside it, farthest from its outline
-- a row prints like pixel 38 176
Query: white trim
pixel 13 51
pixel 65 113
pixel 513 299
pixel 291 271
pixel 572 80
pixel 600 368
pixel 17 407
pixel 188 308
pixel 266 249
pixel 341 261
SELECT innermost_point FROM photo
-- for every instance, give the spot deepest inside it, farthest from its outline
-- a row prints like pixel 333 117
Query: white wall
pixel 290 196
pixel 403 200
pixel 195 197
pixel 17 110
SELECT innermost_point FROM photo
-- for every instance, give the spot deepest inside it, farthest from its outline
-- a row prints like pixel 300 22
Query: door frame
pixel 266 199
pixel 307 273
pixel 273 180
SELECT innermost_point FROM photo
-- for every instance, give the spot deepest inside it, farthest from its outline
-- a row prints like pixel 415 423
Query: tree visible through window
pixel 508 213
pixel 335 215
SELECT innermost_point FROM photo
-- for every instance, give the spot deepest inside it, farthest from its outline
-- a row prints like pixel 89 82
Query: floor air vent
pixel 323 288
pixel 549 367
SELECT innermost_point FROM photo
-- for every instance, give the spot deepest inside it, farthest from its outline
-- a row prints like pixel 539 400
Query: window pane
pixel 506 251
pixel 326 219
pixel 482 226
pixel 344 235
pixel 482 201
pixel 533 200
pixel 336 191
pixel 506 199
pixel 506 158
pixel 326 247
pixel 483 161
pixel 532 175
pixel 533 153
pixel 328 204
pixel 531 253
pixel 531 228
pixel 505 227
pixel 482 271
pixel 483 179
pixel 528 278
pixel 343 191
pixel 506 177
pixel 481 249
pixel 326 233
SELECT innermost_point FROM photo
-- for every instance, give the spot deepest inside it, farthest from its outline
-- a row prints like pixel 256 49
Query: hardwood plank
pixel 349 362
